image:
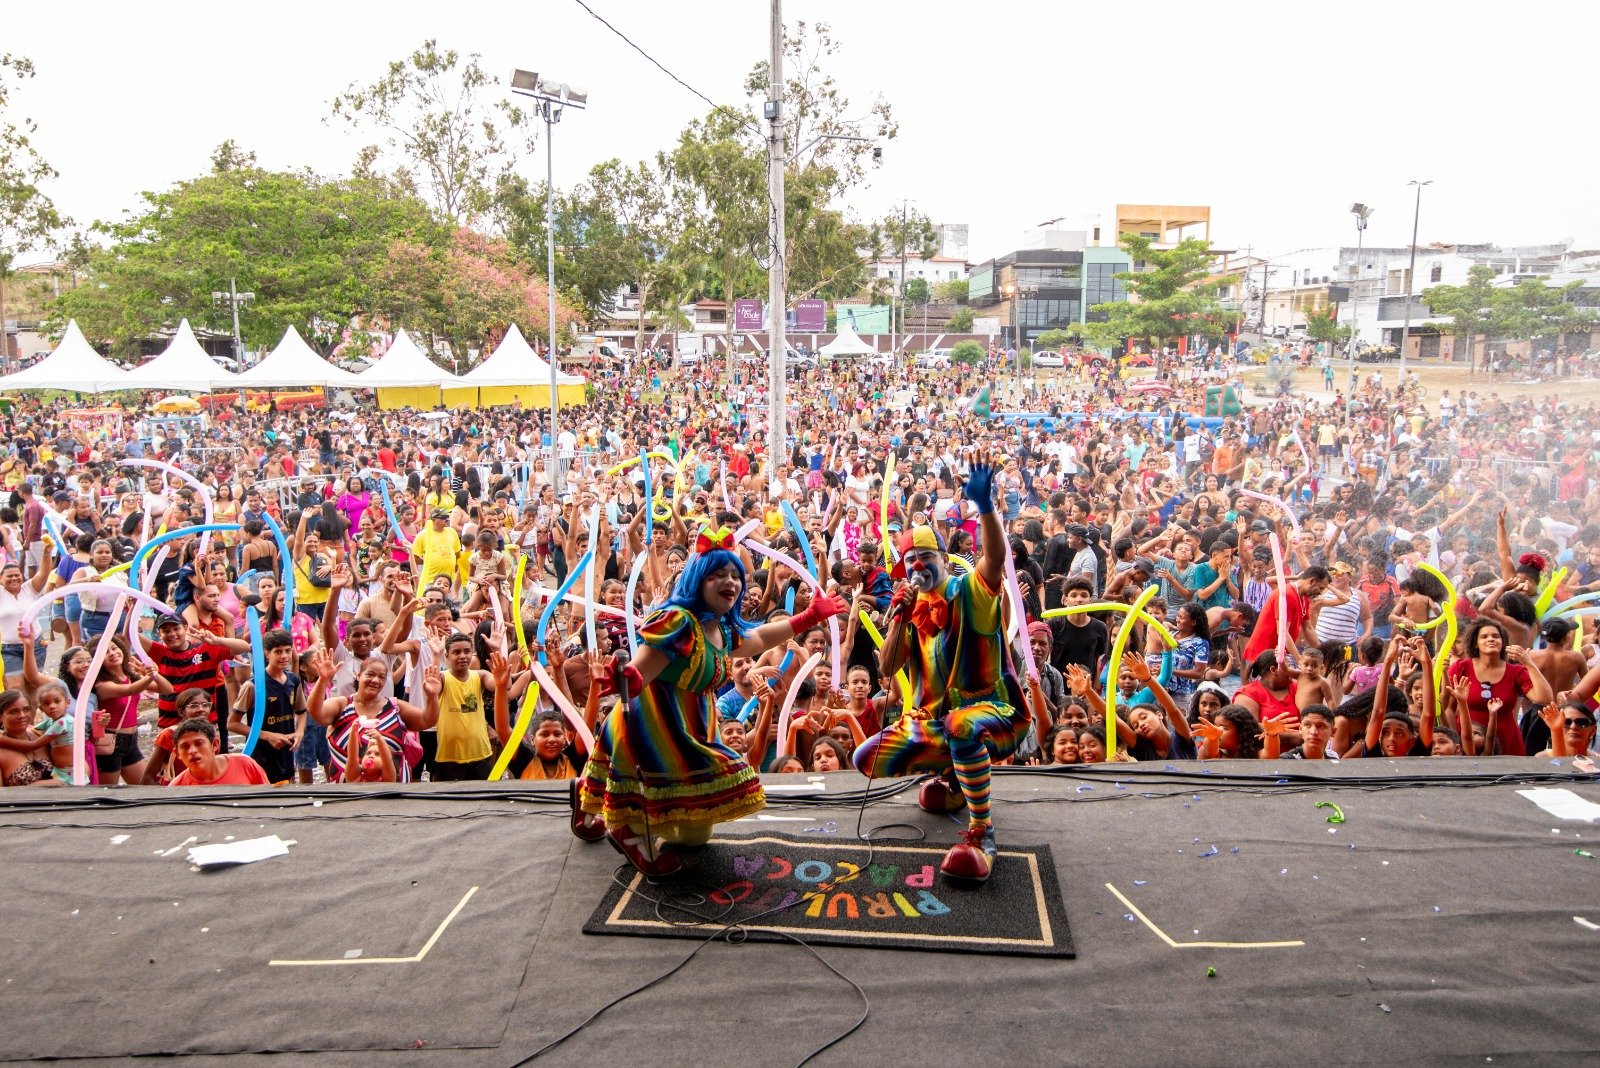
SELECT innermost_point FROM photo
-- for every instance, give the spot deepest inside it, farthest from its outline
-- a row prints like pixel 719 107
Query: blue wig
pixel 686 594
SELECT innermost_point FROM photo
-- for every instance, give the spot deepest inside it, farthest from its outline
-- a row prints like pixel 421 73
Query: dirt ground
pixel 1438 377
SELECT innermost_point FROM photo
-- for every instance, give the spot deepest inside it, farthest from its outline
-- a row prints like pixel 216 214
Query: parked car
pixel 882 359
pixel 1049 358
pixel 802 361
pixel 933 358
pixel 1138 359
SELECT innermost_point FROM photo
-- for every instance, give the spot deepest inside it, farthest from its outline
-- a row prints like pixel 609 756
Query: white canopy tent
pixel 403 364
pixel 183 365
pixel 295 364
pixel 514 363
pixel 405 378
pixel 847 343
pixel 74 365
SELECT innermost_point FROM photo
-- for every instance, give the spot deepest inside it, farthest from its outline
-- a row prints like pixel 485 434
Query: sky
pixel 1011 112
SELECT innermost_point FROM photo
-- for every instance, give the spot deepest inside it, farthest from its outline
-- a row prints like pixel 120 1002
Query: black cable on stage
pixel 726 933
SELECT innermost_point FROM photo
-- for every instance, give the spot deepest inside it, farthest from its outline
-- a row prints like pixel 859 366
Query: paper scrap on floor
pixel 248 851
pixel 1562 803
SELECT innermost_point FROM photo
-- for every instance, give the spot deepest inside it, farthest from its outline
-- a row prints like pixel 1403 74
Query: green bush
pixel 967 352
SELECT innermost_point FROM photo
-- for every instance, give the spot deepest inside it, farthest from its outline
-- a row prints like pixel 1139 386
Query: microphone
pixel 922 580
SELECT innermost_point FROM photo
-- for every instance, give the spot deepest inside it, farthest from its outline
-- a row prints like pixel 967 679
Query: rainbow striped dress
pixel 656 760
pixel 961 689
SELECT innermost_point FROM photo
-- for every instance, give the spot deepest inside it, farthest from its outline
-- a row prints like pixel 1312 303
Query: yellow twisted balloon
pixel 900 676
pixel 1448 616
pixel 1136 612
pixel 1548 595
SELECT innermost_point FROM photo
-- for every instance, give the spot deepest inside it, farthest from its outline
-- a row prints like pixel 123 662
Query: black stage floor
pixel 1447 920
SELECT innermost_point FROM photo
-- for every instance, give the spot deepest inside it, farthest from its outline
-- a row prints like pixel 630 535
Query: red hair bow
pixel 721 538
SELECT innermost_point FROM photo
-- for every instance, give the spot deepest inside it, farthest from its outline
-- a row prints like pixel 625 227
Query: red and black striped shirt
pixel 197 667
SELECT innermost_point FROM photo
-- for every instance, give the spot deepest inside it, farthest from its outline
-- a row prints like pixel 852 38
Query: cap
pixel 918 538
pixel 169 618
pixel 439 513
pixel 1078 530
pixel 1339 567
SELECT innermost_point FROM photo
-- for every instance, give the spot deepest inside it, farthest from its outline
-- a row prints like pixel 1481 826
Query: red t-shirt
pixel 240 771
pixel 386 459
pixel 1265 636
pixel 1514 684
pixel 1271 707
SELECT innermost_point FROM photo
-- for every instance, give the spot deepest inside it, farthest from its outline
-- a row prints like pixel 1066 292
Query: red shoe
pixel 587 827
pixel 633 846
pixel 936 795
pixel 972 858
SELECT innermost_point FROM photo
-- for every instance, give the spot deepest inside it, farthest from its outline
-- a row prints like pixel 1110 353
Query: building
pixel 1031 291
pixel 1165 224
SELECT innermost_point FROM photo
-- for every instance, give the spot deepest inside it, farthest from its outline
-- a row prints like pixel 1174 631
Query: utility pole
pixel 1411 271
pixel 894 346
pixel 777 433
pixel 238 345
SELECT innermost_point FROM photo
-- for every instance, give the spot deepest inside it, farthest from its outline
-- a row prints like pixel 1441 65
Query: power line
pixel 601 19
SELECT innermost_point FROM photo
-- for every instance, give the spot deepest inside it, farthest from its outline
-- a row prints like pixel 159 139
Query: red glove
pixel 822 607
pixel 629 682
pixel 902 601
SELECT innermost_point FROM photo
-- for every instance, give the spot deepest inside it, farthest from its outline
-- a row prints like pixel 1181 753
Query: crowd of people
pixel 378 601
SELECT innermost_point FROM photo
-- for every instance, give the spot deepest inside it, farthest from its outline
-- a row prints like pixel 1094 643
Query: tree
pixel 310 248
pixel 718 172
pixel 903 235
pixel 1163 304
pixel 1477 309
pixel 459 294
pixel 634 230
pixel 1539 310
pixel 1058 339
pixel 1322 325
pixel 954 291
pixel 442 130
pixel 917 291
pixel 27 214
pixel 967 352
pixel 961 321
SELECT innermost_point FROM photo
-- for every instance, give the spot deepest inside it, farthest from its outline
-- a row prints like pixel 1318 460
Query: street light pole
pixel 553 98
pixel 1411 271
pixel 777 299
pixel 1362 214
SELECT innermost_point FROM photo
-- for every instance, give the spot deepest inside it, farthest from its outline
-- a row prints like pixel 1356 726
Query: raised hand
pixel 500 668
pixel 1278 727
pixel 980 483
pixel 1133 664
pixel 1551 714
pixel 432 681
pixel 1077 679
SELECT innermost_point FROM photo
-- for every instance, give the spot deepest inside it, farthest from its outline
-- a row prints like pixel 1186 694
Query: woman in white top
pixel 16 598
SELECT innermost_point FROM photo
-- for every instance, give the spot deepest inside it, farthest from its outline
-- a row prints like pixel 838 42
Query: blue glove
pixel 980 487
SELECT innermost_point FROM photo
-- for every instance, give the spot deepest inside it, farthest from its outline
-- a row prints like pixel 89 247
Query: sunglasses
pixel 1579 722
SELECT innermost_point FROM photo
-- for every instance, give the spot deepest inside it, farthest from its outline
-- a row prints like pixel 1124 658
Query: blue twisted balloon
pixel 258 668
pixel 288 564
pixel 793 520
pixel 136 570
pixel 550 608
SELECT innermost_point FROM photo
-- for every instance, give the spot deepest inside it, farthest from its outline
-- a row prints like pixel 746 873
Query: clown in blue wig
pixel 659 776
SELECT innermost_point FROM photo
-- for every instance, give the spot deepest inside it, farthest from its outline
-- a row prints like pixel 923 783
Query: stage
pixel 1217 917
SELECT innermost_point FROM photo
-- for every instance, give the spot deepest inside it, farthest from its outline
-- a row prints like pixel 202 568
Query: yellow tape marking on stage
pixel 423 952
pixel 1195 945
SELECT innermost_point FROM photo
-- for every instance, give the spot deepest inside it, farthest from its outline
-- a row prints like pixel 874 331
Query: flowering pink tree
pixel 462 296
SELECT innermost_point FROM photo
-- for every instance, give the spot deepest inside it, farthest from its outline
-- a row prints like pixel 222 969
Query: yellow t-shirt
pixel 305 592
pixel 438 549
pixel 463 730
